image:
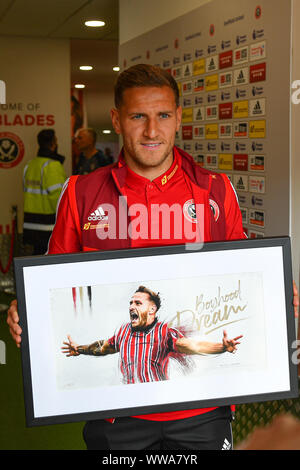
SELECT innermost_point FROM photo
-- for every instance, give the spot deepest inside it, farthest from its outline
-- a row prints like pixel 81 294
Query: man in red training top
pixel 124 205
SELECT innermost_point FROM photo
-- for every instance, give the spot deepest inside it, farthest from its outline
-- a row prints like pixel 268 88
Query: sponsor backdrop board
pixel 231 61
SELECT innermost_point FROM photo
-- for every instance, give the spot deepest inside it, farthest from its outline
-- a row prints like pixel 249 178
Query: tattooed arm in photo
pixel 98 348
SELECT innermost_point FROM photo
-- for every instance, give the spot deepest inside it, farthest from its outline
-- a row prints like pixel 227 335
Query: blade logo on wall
pixel 11 150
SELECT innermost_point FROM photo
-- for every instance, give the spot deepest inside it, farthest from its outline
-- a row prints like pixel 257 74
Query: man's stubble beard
pixel 145 162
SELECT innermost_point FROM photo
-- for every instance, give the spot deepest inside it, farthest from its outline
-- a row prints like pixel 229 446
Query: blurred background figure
pixel 76 115
pixel 283 433
pixel 43 179
pixel 90 158
pixel 76 123
pixel 109 155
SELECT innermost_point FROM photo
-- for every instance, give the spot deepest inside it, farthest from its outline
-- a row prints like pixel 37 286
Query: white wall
pixel 98 105
pixel 37 77
pixel 140 16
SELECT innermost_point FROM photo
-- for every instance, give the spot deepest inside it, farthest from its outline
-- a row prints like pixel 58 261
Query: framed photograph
pixel 133 332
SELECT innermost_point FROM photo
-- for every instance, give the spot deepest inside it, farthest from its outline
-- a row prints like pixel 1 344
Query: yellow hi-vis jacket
pixel 43 179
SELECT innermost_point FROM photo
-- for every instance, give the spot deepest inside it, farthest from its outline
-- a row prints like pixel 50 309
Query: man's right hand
pixel 70 348
pixel 13 323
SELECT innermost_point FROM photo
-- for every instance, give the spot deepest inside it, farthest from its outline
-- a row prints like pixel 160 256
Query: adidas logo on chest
pixel 98 214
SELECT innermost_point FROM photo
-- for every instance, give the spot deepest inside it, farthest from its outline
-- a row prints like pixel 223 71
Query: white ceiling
pixel 89 46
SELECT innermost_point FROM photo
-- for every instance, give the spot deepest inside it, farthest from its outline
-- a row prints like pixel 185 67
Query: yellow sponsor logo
pixel 198 66
pixel 212 82
pixel 240 109
pixel 187 115
pixel 211 131
pixel 166 178
pixel 179 88
pixel 225 161
pixel 90 226
pixel 257 129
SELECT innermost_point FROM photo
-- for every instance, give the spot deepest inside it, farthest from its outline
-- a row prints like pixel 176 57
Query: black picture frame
pixel 36 276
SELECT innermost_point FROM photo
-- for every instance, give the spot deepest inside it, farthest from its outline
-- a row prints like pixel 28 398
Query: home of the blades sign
pixel 23 114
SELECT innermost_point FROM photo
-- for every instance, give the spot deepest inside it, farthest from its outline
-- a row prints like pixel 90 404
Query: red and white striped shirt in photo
pixel 144 355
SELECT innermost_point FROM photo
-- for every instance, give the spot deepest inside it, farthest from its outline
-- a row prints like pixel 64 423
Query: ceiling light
pixel 116 69
pixel 79 85
pixel 86 67
pixel 106 131
pixel 94 23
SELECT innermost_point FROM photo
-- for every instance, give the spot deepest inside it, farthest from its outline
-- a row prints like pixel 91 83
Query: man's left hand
pixel 230 345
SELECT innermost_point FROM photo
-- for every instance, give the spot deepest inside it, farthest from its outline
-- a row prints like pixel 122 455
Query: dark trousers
pixel 38 239
pixel 209 431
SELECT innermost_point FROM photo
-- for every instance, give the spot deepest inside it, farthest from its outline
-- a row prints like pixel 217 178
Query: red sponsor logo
pixel 199 131
pixel 225 130
pixel 226 78
pixel 258 12
pixel 225 59
pixel 238 55
pixel 187 132
pixel 240 162
pixel 225 111
pixel 258 72
pixel 187 87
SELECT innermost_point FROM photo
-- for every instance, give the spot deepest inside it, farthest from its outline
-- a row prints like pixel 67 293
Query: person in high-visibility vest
pixel 43 179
